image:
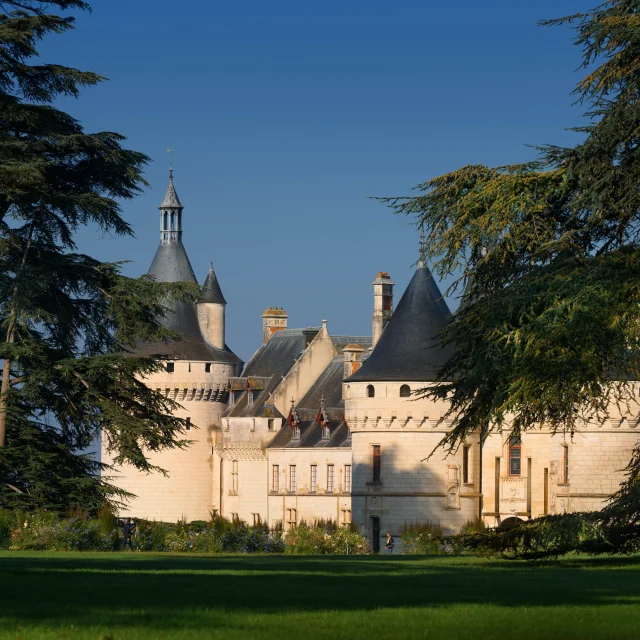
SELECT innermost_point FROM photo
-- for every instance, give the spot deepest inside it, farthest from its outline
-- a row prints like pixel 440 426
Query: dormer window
pixel 250 397
pixel 326 433
pixel 348 433
pixel 296 432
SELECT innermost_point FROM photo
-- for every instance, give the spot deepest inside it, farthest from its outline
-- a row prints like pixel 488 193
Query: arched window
pixel 173 221
pixel 165 227
pixel 371 392
pixel 405 391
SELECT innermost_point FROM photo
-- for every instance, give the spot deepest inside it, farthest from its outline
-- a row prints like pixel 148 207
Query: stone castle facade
pixel 317 426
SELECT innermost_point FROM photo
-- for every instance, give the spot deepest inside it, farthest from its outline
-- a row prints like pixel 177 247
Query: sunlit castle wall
pixel 188 489
pixel 409 485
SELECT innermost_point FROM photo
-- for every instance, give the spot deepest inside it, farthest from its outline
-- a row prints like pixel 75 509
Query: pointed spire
pixel 211 291
pixel 171 200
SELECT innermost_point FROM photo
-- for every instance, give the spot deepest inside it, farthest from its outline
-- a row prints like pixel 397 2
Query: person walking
pixel 390 543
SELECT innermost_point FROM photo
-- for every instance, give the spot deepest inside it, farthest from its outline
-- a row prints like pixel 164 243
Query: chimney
pixel 352 357
pixel 382 304
pixel 273 319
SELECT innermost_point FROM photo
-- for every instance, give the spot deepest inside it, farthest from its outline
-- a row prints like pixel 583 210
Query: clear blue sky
pixel 286 116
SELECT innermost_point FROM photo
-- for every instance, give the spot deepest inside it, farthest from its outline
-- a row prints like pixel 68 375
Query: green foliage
pixel 324 538
pixel 68 323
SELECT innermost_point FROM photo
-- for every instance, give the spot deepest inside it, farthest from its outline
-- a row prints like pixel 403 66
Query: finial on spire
pixel 423 249
pixel 170 152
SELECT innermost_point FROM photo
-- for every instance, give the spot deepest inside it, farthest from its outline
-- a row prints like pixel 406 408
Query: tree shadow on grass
pixel 156 590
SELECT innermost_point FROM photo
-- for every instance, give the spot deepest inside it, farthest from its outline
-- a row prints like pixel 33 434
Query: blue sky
pixel 287 117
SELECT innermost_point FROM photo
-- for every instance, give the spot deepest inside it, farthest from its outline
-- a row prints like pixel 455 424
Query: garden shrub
pixel 324 538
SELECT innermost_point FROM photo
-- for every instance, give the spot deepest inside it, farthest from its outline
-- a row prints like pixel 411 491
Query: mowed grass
pixel 129 596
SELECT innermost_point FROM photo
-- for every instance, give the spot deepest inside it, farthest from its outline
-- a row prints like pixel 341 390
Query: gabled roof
pixel 270 363
pixel 211 291
pixel 328 390
pixel 409 347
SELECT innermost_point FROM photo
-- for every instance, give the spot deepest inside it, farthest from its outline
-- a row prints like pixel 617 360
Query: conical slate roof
pixel 211 291
pixel 171 200
pixel 409 347
pixel 171 264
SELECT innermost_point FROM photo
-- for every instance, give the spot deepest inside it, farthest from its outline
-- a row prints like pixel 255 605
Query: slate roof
pixel 328 387
pixel 171 200
pixel 171 264
pixel 211 291
pixel 270 363
pixel 409 347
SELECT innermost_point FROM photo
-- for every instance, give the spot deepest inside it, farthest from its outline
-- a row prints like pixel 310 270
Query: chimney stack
pixel 352 358
pixel 382 304
pixel 273 319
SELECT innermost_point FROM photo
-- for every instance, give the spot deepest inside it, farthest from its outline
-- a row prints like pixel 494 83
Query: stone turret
pixel 211 311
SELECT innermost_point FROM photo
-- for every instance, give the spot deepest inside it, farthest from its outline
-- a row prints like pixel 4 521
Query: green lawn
pixel 129 596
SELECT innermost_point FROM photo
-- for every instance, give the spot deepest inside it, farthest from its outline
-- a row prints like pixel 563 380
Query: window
pixel 376 462
pixel 326 433
pixel 348 433
pixel 234 477
pixel 207 367
pixel 371 392
pixel 292 478
pixel 330 478
pixel 314 478
pixel 271 423
pixel 465 465
pixel 346 517
pixel 166 221
pixel 256 519
pixel 170 367
pixel 250 397
pixel 275 478
pixel 405 391
pixel 292 519
pixel 188 424
pixel 296 432
pixel 565 463
pixel 347 478
pixel 515 455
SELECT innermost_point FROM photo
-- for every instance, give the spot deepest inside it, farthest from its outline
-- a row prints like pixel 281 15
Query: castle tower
pixel 198 367
pixel 382 304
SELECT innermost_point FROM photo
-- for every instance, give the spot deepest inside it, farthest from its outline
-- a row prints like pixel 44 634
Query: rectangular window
pixel 314 478
pixel 292 519
pixel 515 456
pixel 292 478
pixel 465 465
pixel 376 462
pixel 275 478
pixel 330 478
pixel 250 397
pixel 347 478
pixel 256 519
pixel 346 517
pixel 207 367
pixel 565 463
pixel 234 477
pixel 271 423
pixel 234 517
pixel 170 367
pixel 188 426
